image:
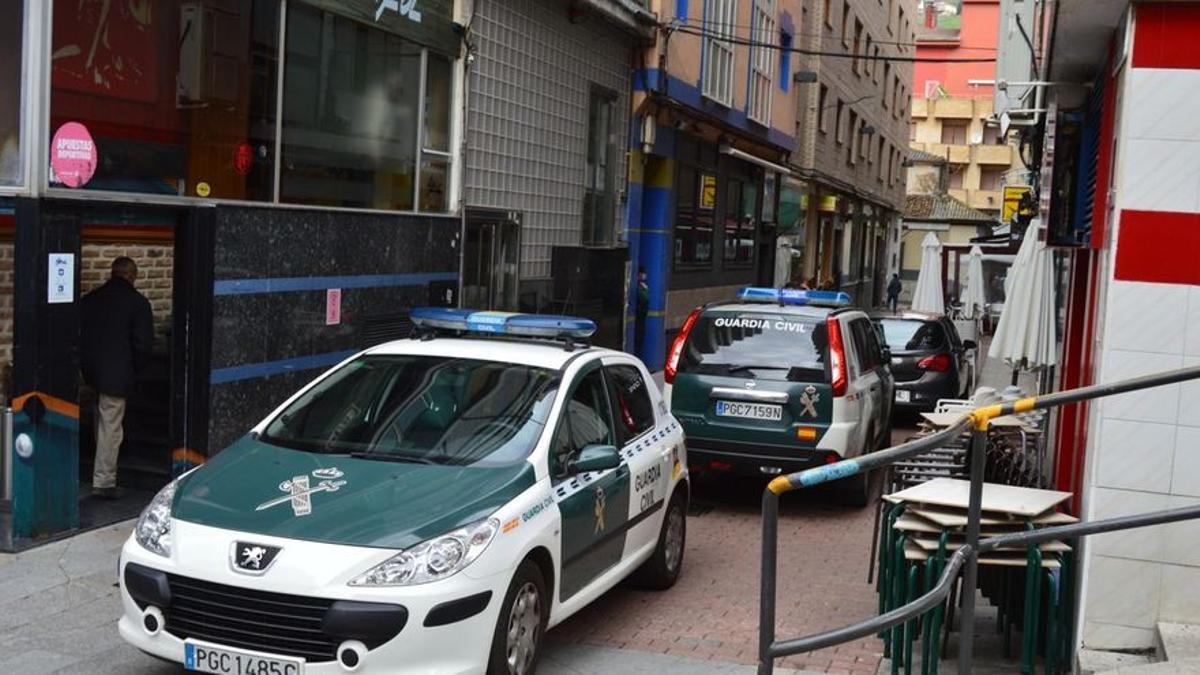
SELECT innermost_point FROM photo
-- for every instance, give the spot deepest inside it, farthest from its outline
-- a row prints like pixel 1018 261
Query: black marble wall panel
pixel 269 337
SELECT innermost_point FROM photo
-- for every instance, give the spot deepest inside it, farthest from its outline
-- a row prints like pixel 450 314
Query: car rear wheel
pixel 661 571
pixel 517 639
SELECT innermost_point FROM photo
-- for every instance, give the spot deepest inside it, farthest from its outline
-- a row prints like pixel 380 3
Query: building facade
pixel 853 87
pixel 222 145
pixel 1119 195
pixel 545 158
pixel 952 106
pixel 714 123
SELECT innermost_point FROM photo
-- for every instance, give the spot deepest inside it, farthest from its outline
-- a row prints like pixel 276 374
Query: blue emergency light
pixel 503 323
pixel 794 296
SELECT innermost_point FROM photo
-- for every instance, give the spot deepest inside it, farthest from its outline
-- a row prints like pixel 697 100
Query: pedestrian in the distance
pixel 893 292
pixel 117 333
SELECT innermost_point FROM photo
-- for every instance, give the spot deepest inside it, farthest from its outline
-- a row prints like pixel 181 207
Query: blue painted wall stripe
pixel 285 284
pixel 296 364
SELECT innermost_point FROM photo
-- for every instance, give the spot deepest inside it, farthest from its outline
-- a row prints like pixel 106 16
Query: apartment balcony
pixel 954 108
pixel 994 154
pixel 955 154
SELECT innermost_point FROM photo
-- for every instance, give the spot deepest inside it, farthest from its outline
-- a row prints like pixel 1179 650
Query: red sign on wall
pixel 106 48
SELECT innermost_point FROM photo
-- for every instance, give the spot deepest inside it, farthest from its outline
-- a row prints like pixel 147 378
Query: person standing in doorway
pixel 643 308
pixel 893 292
pixel 117 333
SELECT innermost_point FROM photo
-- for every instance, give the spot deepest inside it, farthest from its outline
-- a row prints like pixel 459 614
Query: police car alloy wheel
pixel 518 638
pixel 428 506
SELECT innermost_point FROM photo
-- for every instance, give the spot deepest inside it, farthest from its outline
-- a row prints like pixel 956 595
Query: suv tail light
pixel 938 363
pixel 676 350
pixel 837 356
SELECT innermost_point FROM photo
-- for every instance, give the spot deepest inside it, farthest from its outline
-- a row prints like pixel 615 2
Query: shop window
pixel 720 19
pixel 695 206
pixel 599 196
pixel 12 169
pixel 177 98
pixel 741 222
pixel 349 113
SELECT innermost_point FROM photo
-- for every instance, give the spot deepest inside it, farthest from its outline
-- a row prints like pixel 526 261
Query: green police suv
pixel 778 381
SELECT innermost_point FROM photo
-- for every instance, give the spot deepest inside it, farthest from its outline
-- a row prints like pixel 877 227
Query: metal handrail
pixel 966 559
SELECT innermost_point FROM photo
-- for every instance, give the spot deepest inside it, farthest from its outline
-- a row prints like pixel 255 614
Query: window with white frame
pixel 762 61
pixel 720 19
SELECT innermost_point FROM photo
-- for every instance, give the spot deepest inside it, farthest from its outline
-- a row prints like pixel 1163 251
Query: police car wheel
pixel 517 640
pixel 661 571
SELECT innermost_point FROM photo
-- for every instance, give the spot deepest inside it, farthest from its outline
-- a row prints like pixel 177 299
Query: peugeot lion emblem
pixel 251 558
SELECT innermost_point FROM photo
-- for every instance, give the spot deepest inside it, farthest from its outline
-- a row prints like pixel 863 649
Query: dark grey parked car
pixel 929 360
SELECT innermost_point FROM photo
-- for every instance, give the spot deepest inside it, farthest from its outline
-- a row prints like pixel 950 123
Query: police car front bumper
pixel 307 571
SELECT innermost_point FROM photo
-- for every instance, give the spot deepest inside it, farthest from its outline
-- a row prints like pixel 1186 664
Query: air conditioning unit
pixel 210 46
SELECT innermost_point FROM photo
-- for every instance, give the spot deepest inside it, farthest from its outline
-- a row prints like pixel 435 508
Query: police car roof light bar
pixel 794 296
pixel 569 328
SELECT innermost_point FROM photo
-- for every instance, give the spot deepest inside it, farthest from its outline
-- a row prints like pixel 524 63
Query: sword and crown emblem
pixel 299 490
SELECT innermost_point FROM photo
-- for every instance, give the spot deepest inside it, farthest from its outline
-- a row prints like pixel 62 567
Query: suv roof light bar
pixel 794 296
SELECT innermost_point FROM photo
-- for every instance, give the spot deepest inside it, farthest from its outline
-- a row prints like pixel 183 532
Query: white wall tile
pixel 1185 465
pixel 1181 541
pixel 1146 317
pixel 1191 330
pixel 1097 635
pixel 1123 592
pixel 1135 455
pixel 1165 104
pixel 1180 594
pixel 1189 397
pixel 1144 543
pixel 1160 404
pixel 1161 176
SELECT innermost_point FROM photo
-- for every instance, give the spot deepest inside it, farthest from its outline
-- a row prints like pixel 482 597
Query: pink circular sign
pixel 73 155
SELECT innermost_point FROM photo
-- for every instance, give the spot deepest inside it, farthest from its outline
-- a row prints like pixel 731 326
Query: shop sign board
pixel 708 191
pixel 828 204
pixel 426 22
pixel 1012 202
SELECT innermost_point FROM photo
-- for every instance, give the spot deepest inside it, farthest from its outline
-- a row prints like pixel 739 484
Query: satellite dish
pixel 1005 121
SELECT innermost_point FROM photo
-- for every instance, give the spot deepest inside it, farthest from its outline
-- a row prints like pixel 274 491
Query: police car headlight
pixel 153 529
pixel 434 559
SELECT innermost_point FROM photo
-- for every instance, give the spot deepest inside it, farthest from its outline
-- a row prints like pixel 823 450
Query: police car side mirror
pixel 595 458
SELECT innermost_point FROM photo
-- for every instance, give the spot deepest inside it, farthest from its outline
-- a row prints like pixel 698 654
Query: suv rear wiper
pixel 392 457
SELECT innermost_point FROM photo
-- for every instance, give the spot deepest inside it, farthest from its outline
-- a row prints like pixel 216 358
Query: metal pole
pixel 766 593
pixel 966 633
pixel 6 459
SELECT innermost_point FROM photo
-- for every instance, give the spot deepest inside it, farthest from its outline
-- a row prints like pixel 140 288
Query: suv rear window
pixel 913 335
pixel 757 345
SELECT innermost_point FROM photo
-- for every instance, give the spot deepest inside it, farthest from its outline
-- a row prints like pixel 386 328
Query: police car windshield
pixel 759 345
pixel 426 409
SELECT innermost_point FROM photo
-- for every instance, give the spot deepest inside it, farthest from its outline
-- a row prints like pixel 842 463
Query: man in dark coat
pixel 893 292
pixel 117 335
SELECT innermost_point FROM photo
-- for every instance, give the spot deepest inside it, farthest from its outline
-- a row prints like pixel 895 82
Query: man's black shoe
pixel 108 493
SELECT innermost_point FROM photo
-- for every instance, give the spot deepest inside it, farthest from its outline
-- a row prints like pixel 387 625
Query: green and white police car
pixel 781 380
pixel 430 505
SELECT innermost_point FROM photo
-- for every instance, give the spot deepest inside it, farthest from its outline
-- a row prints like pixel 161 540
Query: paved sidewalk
pixel 59 606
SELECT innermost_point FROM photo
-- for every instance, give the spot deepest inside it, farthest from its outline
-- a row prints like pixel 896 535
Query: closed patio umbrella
pixel 973 299
pixel 1025 335
pixel 928 295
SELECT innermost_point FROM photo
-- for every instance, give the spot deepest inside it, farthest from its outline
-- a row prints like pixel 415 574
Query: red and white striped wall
pixel 1143 449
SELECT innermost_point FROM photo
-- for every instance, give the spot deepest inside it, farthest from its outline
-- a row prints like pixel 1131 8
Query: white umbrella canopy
pixel 973 299
pixel 1025 336
pixel 928 295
